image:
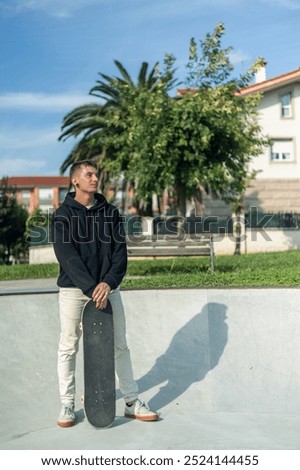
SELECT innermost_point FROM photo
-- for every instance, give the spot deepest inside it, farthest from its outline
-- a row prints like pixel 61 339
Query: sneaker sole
pixel 142 418
pixel 65 424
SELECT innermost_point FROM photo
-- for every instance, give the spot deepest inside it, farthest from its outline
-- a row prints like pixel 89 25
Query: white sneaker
pixel 140 410
pixel 67 416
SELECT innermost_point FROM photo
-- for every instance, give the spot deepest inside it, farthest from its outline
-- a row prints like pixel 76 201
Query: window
pixel 45 198
pixel 282 151
pixel 62 192
pixel 286 105
pixel 25 197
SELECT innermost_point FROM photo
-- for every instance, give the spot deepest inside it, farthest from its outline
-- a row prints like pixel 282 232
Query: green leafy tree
pixel 139 148
pixel 212 67
pixel 202 141
pixel 215 128
pixel 215 136
pixel 12 223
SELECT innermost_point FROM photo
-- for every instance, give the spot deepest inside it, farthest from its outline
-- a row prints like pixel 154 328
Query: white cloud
pixel 31 147
pixel 290 4
pixel 238 57
pixel 31 151
pixel 20 166
pixel 59 8
pixel 146 8
pixel 21 139
pixel 43 101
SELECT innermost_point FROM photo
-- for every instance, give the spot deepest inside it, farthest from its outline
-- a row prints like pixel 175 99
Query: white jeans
pixel 71 303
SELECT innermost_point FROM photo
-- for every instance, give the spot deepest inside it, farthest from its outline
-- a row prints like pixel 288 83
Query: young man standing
pixel 89 244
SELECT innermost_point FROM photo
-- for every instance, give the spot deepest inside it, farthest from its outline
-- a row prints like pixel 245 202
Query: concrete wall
pixel 274 195
pixel 205 358
pixel 260 241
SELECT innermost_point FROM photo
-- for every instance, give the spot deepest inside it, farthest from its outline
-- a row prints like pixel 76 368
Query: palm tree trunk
pixel 198 200
pixel 181 211
pixel 181 200
pixel 237 233
pixel 146 209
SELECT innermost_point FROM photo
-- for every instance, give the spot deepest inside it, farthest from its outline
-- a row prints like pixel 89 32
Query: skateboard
pixel 98 365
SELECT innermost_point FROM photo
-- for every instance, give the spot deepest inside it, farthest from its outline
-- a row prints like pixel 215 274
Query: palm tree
pixel 93 121
pixel 89 121
pixel 112 89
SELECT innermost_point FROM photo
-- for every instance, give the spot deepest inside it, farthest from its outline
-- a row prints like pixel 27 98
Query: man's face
pixel 85 179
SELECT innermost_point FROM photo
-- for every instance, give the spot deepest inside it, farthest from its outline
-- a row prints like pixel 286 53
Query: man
pixel 89 243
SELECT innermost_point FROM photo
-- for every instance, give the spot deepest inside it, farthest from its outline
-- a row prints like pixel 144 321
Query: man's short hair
pixel 77 165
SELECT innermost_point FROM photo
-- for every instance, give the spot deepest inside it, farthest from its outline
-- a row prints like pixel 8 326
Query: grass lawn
pixel 280 269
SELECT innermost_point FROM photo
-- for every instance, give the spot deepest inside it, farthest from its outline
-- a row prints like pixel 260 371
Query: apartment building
pixel 44 192
pixel 276 187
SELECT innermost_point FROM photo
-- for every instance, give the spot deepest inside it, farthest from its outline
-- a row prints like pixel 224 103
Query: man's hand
pixel 100 295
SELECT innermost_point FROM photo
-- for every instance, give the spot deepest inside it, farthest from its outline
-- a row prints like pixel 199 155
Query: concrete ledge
pixel 221 365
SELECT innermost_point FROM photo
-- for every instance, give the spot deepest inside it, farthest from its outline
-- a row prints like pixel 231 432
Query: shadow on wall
pixel 194 350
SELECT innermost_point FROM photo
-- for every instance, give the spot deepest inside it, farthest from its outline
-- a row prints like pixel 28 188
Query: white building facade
pixel 276 187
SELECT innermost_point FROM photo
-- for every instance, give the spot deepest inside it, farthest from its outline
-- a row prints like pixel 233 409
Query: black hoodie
pixel 89 244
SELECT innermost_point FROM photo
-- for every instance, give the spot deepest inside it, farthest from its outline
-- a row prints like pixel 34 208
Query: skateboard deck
pixel 99 365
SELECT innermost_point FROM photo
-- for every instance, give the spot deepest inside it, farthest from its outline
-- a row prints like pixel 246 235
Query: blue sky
pixel 52 51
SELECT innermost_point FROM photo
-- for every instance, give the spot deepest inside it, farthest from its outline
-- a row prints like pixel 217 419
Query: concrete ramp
pixel 221 365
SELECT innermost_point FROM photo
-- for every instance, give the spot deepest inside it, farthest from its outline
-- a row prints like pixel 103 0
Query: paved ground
pixel 221 365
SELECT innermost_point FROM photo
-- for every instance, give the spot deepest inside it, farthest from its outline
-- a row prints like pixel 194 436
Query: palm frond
pixel 142 75
pixel 85 149
pixel 152 79
pixel 124 72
